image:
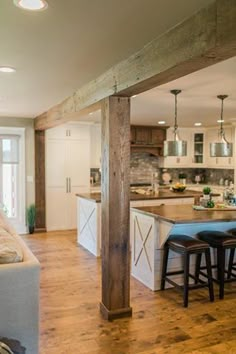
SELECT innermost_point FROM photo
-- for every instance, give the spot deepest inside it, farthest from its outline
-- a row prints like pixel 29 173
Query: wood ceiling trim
pixel 207 37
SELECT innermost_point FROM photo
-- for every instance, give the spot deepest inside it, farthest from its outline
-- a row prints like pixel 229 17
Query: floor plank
pixel 71 322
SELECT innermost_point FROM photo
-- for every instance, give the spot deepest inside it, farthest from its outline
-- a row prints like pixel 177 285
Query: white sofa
pixel 19 296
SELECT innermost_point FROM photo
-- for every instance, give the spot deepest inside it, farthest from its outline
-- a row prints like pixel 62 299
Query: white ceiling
pixel 59 50
pixel 196 103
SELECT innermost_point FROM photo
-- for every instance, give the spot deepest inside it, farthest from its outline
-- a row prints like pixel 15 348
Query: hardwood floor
pixel 71 322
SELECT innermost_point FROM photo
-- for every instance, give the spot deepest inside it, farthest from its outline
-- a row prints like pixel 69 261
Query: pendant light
pixel 175 147
pixel 222 148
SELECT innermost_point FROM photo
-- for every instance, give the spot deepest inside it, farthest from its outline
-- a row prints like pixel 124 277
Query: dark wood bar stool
pixel 232 264
pixel 186 246
pixel 221 241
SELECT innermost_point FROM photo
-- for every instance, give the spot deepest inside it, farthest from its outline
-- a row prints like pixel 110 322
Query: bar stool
pixel 221 241
pixel 232 264
pixel 186 246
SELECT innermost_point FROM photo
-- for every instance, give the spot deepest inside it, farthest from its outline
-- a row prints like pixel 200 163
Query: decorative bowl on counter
pixel 178 187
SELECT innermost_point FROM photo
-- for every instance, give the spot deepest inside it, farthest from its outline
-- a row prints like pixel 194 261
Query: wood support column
pixel 115 208
pixel 40 195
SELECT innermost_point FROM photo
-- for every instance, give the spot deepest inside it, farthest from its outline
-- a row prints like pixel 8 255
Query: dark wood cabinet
pixel 132 134
pixel 148 139
pixel 142 135
pixel 158 135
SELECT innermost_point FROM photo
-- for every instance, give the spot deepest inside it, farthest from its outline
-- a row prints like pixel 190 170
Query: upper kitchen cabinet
pixel 69 131
pixel 213 136
pixel 95 148
pixel 195 149
pixel 148 139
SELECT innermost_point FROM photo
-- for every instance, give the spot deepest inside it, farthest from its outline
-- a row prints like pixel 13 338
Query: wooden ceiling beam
pixel 207 37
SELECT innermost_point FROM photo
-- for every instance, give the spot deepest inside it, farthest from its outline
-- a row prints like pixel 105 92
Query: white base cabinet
pixel 67 173
pixel 148 235
pixel 89 220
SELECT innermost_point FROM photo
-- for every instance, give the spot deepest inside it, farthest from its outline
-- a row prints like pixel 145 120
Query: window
pixel 12 176
pixel 9 175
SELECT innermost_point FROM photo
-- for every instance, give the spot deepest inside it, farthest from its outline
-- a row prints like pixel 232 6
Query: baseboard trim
pixel 113 314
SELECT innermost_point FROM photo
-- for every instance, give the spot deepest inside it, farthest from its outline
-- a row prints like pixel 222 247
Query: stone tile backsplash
pixel 142 166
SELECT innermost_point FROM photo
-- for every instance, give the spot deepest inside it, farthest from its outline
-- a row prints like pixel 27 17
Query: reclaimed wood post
pixel 115 208
pixel 40 194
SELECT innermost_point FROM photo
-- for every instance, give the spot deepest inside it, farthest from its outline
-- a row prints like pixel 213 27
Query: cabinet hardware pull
pixel 66 184
pixel 69 185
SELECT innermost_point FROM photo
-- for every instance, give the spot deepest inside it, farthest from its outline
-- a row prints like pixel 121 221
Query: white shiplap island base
pixel 89 213
pixel 151 227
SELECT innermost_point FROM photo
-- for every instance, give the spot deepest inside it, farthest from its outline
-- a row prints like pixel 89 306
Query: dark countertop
pixel 185 214
pixel 163 194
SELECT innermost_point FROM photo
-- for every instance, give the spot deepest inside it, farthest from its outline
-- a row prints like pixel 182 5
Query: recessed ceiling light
pixel 198 124
pixel 7 69
pixel 134 96
pixel 32 5
pixel 90 113
pixel 220 121
pixel 161 122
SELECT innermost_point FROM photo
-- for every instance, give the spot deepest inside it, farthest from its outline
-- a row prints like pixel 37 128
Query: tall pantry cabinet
pixel 67 173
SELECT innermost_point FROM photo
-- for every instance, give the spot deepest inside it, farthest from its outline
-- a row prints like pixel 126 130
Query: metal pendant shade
pixel 222 148
pixel 175 147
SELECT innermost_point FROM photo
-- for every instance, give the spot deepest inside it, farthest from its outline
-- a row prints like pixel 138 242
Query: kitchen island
pixel 89 212
pixel 151 226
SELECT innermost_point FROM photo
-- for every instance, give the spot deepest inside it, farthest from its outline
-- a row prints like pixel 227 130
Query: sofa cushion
pixel 10 250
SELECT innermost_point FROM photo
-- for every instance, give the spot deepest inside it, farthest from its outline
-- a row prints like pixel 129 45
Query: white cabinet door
pixel 95 154
pixel 77 163
pixel 56 184
pixel 67 173
pixel 56 163
pixel 60 132
pixel 197 148
pixel 78 131
pixel 78 167
pixel 56 217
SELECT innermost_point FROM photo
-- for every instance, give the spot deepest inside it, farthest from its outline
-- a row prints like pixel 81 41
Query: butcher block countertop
pixel 163 194
pixel 183 214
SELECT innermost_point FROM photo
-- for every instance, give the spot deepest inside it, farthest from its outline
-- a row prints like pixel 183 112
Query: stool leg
pixel 164 266
pixel 186 278
pixel 197 267
pixel 231 261
pixel 221 270
pixel 209 274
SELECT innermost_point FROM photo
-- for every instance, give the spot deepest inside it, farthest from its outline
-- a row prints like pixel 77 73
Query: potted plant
pixel 206 191
pixel 206 196
pixel 31 213
pixel 182 178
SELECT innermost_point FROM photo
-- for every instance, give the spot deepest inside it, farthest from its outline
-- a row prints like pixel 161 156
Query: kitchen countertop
pixel 186 214
pixel 163 194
